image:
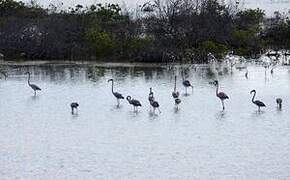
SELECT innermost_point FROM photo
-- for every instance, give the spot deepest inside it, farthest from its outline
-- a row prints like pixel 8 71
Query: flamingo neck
pixel 183 79
pixel 175 84
pixel 28 81
pixel 217 89
pixel 253 99
pixel 5 76
pixel 112 86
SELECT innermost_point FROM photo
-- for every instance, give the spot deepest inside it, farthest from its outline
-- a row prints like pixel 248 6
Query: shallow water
pixel 41 139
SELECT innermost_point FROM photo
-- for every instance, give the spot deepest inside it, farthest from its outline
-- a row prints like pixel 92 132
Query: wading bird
pixel 134 102
pixel 279 103
pixel 151 96
pixel 152 101
pixel 232 65
pixel 4 74
pixel 272 71
pixel 74 106
pixel 266 66
pixel 257 102
pixel 116 94
pixel 33 86
pixel 221 95
pixel 246 74
pixel 187 84
pixel 177 102
pixel 175 94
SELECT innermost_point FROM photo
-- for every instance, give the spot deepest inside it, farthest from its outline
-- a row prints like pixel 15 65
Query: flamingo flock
pixel 222 96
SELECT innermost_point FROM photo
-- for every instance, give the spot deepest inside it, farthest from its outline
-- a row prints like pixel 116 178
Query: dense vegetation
pixel 169 30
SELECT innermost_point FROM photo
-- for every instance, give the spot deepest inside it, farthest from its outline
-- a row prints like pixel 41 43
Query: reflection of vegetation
pixel 226 70
pixel 177 30
pixel 94 73
pixel 210 73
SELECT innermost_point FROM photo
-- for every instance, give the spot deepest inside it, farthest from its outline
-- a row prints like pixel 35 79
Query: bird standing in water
pixel 152 101
pixel 116 94
pixel 134 102
pixel 232 65
pixel 257 102
pixel 4 74
pixel 33 86
pixel 187 84
pixel 246 74
pixel 279 103
pixel 272 71
pixel 175 94
pixel 221 95
pixel 74 106
pixel 151 96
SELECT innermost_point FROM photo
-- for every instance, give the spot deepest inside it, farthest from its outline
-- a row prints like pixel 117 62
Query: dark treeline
pixel 169 30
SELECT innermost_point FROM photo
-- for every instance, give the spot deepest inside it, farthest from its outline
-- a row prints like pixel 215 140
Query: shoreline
pixel 88 63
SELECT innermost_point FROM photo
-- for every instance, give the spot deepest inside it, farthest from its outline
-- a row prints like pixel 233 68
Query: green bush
pixel 102 42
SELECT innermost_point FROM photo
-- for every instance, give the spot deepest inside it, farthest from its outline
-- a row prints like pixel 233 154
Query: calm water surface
pixel 41 139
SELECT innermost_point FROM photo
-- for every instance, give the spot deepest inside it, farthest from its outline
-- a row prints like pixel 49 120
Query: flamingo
pixel 74 106
pixel 246 74
pixel 177 102
pixel 232 65
pixel 221 95
pixel 152 101
pixel 273 67
pixel 187 84
pixel 175 94
pixel 279 103
pixel 116 94
pixel 272 70
pixel 151 95
pixel 257 102
pixel 134 102
pixel 33 86
pixel 4 74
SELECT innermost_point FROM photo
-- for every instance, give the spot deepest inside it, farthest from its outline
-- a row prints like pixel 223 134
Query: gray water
pixel 41 139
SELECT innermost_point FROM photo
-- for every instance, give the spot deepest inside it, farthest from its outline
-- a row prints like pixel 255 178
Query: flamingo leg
pixel 223 104
pixel 34 93
pixel 159 110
